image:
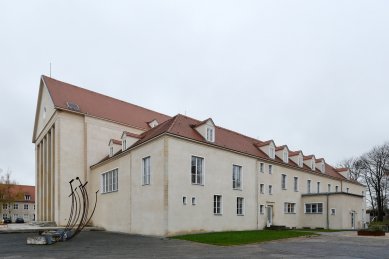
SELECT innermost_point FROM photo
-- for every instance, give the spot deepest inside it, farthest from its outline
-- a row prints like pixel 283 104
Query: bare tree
pixel 353 165
pixel 374 166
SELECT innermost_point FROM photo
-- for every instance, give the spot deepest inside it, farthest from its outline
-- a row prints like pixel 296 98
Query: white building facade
pixel 158 175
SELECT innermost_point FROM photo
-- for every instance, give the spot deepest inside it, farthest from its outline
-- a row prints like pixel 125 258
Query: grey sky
pixel 310 74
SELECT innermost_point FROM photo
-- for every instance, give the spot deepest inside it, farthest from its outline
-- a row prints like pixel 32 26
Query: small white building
pixel 161 175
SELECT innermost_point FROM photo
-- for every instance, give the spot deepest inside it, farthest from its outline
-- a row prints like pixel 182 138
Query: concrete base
pixel 39 240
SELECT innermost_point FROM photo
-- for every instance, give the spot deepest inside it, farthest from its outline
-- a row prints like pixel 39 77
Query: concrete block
pixel 37 240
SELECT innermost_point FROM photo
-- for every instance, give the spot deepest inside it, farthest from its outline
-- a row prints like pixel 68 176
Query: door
pixel 353 220
pixel 269 216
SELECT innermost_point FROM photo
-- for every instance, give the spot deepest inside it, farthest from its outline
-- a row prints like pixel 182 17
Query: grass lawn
pixel 242 237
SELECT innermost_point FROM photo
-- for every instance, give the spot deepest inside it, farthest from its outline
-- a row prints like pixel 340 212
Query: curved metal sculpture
pixel 79 217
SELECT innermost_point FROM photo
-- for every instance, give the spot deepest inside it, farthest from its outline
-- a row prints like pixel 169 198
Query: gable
pixel 44 110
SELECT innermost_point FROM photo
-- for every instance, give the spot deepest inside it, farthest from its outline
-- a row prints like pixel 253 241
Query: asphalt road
pixel 99 244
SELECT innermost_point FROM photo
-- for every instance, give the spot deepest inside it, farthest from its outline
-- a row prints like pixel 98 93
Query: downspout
pixel 328 209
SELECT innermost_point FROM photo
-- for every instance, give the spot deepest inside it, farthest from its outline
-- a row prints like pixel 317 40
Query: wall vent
pixel 73 106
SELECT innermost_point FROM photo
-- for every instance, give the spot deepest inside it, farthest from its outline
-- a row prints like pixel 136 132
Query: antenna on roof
pixel 50 69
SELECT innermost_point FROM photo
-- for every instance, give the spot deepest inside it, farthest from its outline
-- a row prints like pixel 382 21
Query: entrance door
pixel 269 216
pixel 353 220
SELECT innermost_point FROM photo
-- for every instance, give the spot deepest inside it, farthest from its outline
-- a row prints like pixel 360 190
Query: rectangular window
pixel 261 188
pixel 270 189
pixel 271 152
pixel 217 204
pixel 184 200
pixel 318 187
pixel 110 181
pixel 26 206
pixel 270 169
pixel 16 206
pixel 197 170
pixel 261 166
pixel 210 134
pixel 5 206
pixel 261 209
pixel 193 200
pixel 336 188
pixel 308 186
pixel 239 205
pixel 283 181
pixel 347 190
pixel 329 187
pixel 295 184
pixel 289 207
pixel 314 208
pixel 285 157
pixel 146 170
pixel 5 216
pixel 236 177
pixel 27 197
pixel 333 211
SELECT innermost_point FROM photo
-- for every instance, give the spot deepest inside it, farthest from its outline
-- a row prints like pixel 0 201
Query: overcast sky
pixel 310 74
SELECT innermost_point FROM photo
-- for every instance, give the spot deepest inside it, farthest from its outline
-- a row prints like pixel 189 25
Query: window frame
pixel 296 184
pixel 318 187
pixel 311 208
pixel 146 175
pixel 289 208
pixel 210 134
pixel 270 169
pixel 270 189
pixel 25 206
pixel 261 209
pixel 261 167
pixel 237 179
pixel 103 184
pixel 309 182
pixel 240 206
pixel 283 181
pixel 262 188
pixel 202 175
pixel 217 210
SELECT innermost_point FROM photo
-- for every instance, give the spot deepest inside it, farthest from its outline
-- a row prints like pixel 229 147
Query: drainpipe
pixel 328 208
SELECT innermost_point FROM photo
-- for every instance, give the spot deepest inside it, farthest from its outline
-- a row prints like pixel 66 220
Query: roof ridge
pixel 96 93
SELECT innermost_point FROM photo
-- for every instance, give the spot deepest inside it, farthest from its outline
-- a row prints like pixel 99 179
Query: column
pixel 49 167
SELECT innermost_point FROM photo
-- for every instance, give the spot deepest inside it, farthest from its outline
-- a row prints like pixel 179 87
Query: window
pixel 296 184
pixel 261 165
pixel 25 216
pixel 110 181
pixel 110 151
pixel 318 187
pixel 363 193
pixel 261 209
pixel 124 144
pixel 217 204
pixel 283 181
pixel 347 189
pixel 322 167
pixel 5 206
pixel 34 206
pixel 313 164
pixel 193 200
pixel 333 211
pixel 336 188
pixel 285 156
pixel 270 190
pixel 197 170
pixel 271 152
pixel 236 177
pixel 270 169
pixel 261 188
pixel 16 206
pixel 308 186
pixel 314 208
pixel 239 206
pixel 300 161
pixel 329 187
pixel 25 206
pixel 210 134
pixel 184 200
pixel 289 207
pixel 146 170
pixel 27 197
pixel 5 216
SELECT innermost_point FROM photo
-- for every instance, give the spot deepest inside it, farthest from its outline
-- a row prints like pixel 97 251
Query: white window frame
pixel 285 156
pixel 318 187
pixel 333 211
pixel 289 208
pixel 210 134
pixel 236 177
pixel 262 188
pixel 111 151
pixel 27 197
pixel 193 200
pixel 25 206
pixel 217 204
pixel 105 186
pixel 261 167
pixel 16 206
pixel 296 184
pixel 313 164
pixel 272 152
pixel 309 182
pixel 329 187
pixel 311 208
pixel 202 173
pixel 146 170
pixel 283 181
pixel 239 206
pixel 261 209
pixel 336 188
pixel 5 206
pixel 300 161
pixel 184 200
pixel 270 190
pixel 124 144
pixel 270 168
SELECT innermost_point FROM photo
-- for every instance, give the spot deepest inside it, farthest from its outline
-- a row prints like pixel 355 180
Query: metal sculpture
pixel 79 217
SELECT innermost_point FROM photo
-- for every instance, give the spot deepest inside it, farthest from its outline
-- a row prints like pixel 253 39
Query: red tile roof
pixel 19 191
pixel 101 106
pixel 129 134
pixel 295 153
pixel 182 126
pixel 116 142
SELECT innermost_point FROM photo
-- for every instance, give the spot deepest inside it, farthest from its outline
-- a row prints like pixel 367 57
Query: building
pixel 17 201
pixel 161 175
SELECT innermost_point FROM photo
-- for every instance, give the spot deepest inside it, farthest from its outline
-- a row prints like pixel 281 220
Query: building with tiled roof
pixel 17 201
pixel 163 175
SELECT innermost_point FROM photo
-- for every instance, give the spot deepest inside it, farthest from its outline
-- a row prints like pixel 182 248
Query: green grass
pixel 242 237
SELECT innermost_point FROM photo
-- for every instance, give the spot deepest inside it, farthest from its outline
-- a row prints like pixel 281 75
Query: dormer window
pixel 210 134
pixel 313 164
pixel 44 113
pixel 153 123
pixel 124 144
pixel 300 161
pixel 271 152
pixel 27 197
pixel 285 156
pixel 110 151
pixel 322 167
